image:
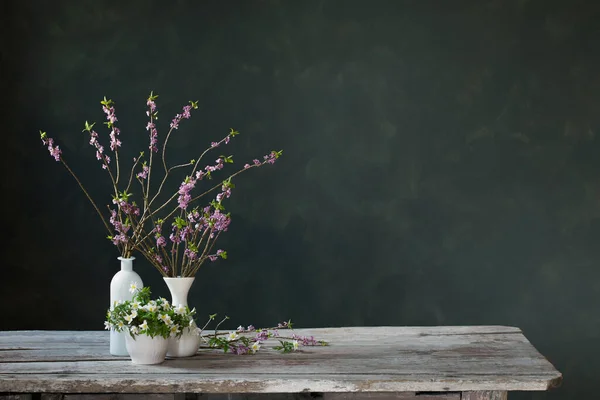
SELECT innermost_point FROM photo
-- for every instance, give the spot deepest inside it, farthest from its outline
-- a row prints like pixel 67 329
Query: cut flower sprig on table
pixel 176 235
pixel 143 316
pixel 247 341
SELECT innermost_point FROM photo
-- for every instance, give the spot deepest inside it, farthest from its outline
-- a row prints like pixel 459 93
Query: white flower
pixel 135 305
pixel 165 305
pixel 107 325
pixel 165 318
pixel 191 322
pixel 144 325
pixel 174 330
pixel 133 287
pixel 150 307
pixel 295 344
pixel 129 318
pixel 240 329
pixel 232 336
pixel 255 346
pixel 120 325
pixel 180 309
pixel 134 329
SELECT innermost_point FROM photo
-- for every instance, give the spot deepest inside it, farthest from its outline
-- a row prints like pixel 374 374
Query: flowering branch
pixel 193 231
pixel 245 341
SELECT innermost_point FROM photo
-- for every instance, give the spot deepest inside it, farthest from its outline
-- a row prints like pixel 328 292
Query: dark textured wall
pixel 441 160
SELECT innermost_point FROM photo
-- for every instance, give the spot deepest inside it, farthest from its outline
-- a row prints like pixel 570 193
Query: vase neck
pixel 126 263
pixel 179 288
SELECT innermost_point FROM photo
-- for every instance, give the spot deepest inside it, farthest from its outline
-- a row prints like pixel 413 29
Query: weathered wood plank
pixel 382 359
pixel 245 396
pixel 381 330
pixel 256 383
pixel 485 395
pixel 112 396
pixel 294 364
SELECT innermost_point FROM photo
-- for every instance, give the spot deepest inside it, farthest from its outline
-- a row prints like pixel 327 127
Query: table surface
pixel 358 359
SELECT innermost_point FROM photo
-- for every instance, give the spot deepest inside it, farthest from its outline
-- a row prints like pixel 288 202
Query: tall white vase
pixel 119 291
pixel 187 344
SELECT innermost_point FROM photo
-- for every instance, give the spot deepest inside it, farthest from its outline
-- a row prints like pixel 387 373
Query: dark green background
pixel 441 160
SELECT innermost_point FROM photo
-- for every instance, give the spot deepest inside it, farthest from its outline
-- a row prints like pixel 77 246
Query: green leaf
pixel 179 222
pixel 106 102
pixel 88 127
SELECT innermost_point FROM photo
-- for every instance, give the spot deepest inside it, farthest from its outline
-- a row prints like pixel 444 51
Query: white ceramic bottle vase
pixel 187 344
pixel 119 291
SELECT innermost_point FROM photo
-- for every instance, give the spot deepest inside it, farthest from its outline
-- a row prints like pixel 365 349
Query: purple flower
pixel 250 327
pixel 144 173
pixel 174 238
pixel 214 144
pixel 114 142
pixel 262 335
pixel 192 255
pixel 185 233
pixel 152 105
pixel 178 117
pixel 227 139
pixel 175 122
pixel 184 192
pixel 100 156
pixel 271 157
pixel 120 238
pixel 220 221
pixel 246 166
pixel 120 228
pixel 55 151
pixel 153 136
pixel 127 208
pixel 161 241
pixel 256 162
pixel 110 116
pixel 219 165
pixel 240 349
pixel 193 216
pixel 159 261
pixel 186 111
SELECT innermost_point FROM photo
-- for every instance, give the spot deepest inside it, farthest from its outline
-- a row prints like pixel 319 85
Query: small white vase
pixel 119 291
pixel 187 344
pixel 144 349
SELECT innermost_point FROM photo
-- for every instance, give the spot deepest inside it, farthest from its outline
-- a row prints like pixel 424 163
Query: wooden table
pixel 422 363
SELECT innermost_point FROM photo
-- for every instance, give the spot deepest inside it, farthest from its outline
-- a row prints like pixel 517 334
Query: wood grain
pixel 359 360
